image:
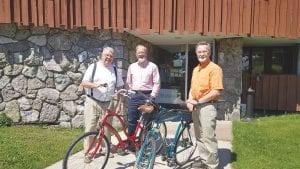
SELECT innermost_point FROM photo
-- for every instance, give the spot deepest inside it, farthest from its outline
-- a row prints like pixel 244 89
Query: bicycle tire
pixel 146 155
pixel 185 146
pixel 76 158
pixel 159 140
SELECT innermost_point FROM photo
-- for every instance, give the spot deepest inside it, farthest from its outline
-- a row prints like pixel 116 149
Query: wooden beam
pixel 271 19
pixel 41 10
pixel 144 19
pixel 25 12
pixel 155 15
pixel 88 14
pixel 128 10
pixel 78 13
pixel 106 16
pixel 199 16
pixel 98 13
pixel 113 14
pixel 64 13
pixel 17 11
pixel 190 15
pixel 161 15
pixel 34 19
pixel 49 13
pixel 224 16
pixel 168 15
pixel 246 20
pixel 5 11
pixel 120 15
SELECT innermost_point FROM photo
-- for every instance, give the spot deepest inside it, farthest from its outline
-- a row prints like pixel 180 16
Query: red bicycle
pixel 97 153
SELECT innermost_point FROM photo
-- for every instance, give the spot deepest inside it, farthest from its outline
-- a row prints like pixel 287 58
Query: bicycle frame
pixel 170 154
pixel 121 143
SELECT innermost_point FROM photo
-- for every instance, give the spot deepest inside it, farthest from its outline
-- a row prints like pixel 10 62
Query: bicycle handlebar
pixel 124 92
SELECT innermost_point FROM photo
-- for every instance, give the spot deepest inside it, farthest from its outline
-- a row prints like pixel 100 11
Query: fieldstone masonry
pixel 41 69
pixel 230 59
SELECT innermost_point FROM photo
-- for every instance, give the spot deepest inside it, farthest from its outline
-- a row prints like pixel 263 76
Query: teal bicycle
pixel 182 145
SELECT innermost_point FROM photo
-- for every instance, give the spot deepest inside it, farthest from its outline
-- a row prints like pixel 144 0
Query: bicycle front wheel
pixel 159 141
pixel 184 147
pixel 95 157
pixel 146 156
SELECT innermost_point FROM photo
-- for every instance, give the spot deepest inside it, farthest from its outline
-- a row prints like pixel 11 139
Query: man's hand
pixel 191 104
pixel 96 85
pixel 152 99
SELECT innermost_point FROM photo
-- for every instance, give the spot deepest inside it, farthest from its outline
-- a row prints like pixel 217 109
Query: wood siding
pixel 273 92
pixel 273 18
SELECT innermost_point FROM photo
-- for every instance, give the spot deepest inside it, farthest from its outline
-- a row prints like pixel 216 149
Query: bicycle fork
pixel 169 154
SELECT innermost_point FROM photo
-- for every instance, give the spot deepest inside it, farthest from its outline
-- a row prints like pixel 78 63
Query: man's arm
pixel 190 103
pixel 156 82
pixel 89 85
pixel 129 79
pixel 215 93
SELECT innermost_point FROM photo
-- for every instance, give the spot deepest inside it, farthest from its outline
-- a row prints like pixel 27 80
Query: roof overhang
pixel 172 40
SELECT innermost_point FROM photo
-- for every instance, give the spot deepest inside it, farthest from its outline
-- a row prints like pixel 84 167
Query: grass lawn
pixel 33 147
pixel 268 143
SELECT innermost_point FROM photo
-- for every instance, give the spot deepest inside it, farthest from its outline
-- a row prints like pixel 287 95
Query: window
pixel 270 60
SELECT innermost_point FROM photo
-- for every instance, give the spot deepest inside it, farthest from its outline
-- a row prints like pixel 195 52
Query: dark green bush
pixel 5 121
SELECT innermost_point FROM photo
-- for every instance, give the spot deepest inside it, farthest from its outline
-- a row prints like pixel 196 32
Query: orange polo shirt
pixel 205 78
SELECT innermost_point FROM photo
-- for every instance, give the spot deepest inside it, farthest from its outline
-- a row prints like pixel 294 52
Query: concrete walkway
pixel 224 136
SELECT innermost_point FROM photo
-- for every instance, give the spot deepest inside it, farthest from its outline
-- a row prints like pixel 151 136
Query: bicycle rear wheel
pixel 159 141
pixel 185 146
pixel 146 156
pixel 77 158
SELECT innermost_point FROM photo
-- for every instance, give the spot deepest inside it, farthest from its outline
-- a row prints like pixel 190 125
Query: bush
pixel 4 120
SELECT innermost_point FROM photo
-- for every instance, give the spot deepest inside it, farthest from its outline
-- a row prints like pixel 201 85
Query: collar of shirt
pixel 203 65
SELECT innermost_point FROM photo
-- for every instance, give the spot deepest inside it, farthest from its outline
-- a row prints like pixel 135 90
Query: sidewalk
pixel 224 136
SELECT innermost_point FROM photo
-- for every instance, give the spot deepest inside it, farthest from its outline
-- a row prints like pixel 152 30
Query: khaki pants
pixel 204 119
pixel 93 110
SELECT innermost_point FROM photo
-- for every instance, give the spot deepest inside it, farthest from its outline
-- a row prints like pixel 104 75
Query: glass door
pixel 173 73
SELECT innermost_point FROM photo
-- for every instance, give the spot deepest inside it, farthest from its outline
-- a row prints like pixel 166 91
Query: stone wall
pixel 41 69
pixel 230 58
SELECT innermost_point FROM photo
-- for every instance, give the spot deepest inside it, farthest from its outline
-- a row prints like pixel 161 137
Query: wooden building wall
pixel 273 18
pixel 273 92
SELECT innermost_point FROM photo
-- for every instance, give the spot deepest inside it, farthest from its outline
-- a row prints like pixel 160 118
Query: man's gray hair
pixel 208 47
pixel 141 46
pixel 108 50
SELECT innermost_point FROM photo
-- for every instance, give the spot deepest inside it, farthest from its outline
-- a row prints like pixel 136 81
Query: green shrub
pixel 4 120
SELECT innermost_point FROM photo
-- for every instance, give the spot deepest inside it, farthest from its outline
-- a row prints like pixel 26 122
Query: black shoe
pixel 199 165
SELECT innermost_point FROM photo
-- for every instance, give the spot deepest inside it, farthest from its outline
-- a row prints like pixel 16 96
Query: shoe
pixel 87 159
pixel 111 155
pixel 131 148
pixel 199 165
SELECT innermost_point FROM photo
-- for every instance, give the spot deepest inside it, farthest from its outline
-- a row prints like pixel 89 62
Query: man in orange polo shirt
pixel 206 87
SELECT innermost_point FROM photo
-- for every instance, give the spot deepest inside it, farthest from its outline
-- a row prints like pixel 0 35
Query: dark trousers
pixel 133 113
